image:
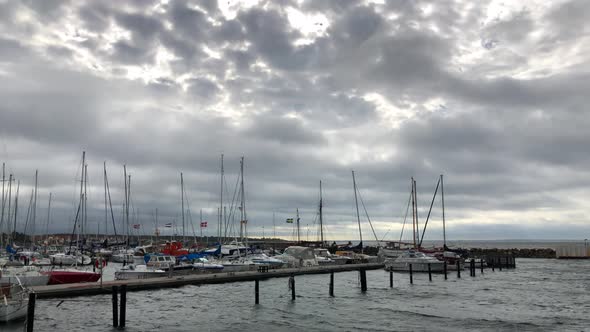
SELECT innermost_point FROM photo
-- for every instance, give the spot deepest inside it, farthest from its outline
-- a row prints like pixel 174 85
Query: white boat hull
pixel 26 281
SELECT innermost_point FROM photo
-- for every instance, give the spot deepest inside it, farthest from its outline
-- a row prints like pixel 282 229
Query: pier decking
pixel 71 290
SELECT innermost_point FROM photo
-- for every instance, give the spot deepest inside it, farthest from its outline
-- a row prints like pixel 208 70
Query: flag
pixel 203 224
pixel 168 225
pixel 136 226
pixel 289 220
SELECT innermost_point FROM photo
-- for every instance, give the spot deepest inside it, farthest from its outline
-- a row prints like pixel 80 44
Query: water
pixel 539 295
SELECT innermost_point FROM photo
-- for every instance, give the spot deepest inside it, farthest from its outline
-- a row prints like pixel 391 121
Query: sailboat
pixel 14 300
pixel 75 257
pixel 419 261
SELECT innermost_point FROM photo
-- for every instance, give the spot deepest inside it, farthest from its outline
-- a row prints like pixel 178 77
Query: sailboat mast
pixel 413 214
pixel 48 218
pixel 126 209
pixel 15 210
pixel 182 205
pixel 298 234
pixel 81 195
pixel 321 218
pixel 358 216
pixel 3 204
pixel 34 212
pixel 243 217
pixel 416 206
pixel 85 215
pixel 220 203
pixel 442 193
pixel 9 207
pixel 106 208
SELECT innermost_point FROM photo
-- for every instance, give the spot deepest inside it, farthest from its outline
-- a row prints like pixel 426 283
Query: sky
pixel 492 94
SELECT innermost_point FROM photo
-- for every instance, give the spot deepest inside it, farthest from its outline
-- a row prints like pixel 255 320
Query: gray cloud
pixel 168 88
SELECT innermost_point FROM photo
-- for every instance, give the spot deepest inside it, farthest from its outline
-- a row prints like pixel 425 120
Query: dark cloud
pixel 499 105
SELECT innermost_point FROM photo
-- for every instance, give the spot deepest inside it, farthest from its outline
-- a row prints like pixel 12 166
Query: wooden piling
pixel 363 273
pixel 123 306
pixel 458 269
pixel 331 284
pixel 256 292
pixel 292 286
pixel 390 279
pixel 481 265
pixel 445 269
pixel 115 307
pixel 31 312
pixel 493 266
pixel 429 273
pixel 411 275
pixel 472 268
pixel 507 263
pixel 500 263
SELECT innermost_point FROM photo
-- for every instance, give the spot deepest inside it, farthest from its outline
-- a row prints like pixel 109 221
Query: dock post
pixel 31 311
pixel 93 266
pixel 123 306
pixel 458 269
pixel 472 267
pixel 493 265
pixel 115 307
pixel 363 280
pixel 500 263
pixel 429 273
pixel 507 263
pixel 256 292
pixel 481 265
pixel 411 275
pixel 332 284
pixel 390 279
pixel 445 269
pixel 292 286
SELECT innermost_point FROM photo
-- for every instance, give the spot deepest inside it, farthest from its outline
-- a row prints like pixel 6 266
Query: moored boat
pixel 71 276
pixel 14 302
pixel 418 260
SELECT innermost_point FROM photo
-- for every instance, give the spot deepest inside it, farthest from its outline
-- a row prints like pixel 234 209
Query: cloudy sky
pixel 493 95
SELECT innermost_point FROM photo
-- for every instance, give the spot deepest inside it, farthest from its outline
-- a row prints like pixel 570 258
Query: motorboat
pixel 69 259
pixel 203 264
pixel 132 271
pixel 266 260
pixel 325 257
pixel 418 260
pixel 296 256
pixel 14 300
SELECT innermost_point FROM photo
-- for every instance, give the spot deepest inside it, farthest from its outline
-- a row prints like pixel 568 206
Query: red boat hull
pixel 71 277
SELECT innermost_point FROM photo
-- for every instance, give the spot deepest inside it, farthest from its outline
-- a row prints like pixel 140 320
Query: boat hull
pixel 71 277
pixel 26 281
pixel 14 311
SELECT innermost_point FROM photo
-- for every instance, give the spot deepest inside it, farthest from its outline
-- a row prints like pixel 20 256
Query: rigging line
pixel 369 219
pixel 429 211
pixel 189 212
pixel 406 216
pixel 228 218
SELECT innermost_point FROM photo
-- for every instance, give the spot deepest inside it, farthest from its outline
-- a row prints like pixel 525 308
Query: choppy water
pixel 540 295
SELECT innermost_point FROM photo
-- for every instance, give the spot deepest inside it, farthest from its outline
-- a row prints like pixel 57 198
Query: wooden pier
pixel 95 288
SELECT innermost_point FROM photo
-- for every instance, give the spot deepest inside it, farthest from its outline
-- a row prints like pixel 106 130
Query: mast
pixel 157 230
pixel 3 204
pixel 182 205
pixel 220 202
pixel 243 216
pixel 85 215
pixel 201 224
pixel 81 196
pixel 358 216
pixel 15 210
pixel 9 208
pixel 442 193
pixel 48 218
pixel 106 209
pixel 321 218
pixel 298 235
pixel 126 209
pixel 416 207
pixel 34 212
pixel 413 213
